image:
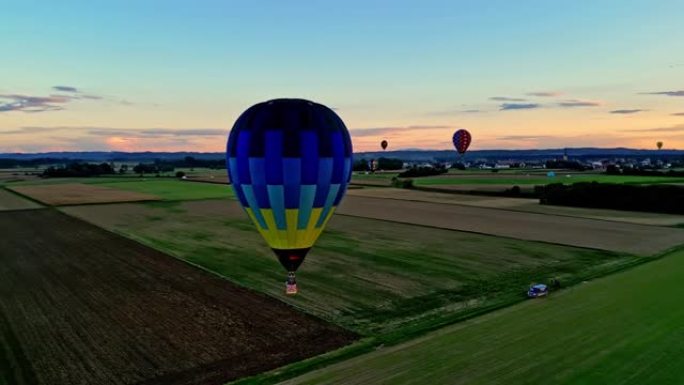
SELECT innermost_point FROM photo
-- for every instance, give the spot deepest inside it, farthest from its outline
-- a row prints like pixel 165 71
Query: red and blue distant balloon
pixel 462 140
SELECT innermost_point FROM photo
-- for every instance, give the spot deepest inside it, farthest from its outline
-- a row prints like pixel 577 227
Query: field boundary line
pixel 17 193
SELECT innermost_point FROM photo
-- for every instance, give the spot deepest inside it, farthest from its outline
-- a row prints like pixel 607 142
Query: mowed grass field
pixel 174 189
pixel 368 275
pixel 58 191
pixel 625 329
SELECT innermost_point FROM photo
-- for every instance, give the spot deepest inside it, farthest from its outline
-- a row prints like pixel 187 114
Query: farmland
pixel 77 193
pixel 623 329
pixel 520 204
pixel 80 305
pixel 365 274
pixel 624 237
pixel 173 189
pixel 392 264
pixel 11 201
pixel 511 180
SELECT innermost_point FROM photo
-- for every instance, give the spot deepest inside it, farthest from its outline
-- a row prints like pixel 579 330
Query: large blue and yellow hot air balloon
pixel 289 161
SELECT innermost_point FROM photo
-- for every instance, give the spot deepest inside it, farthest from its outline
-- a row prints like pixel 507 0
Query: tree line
pixel 652 198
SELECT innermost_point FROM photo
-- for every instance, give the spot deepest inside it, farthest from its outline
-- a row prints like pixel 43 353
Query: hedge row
pixel 653 198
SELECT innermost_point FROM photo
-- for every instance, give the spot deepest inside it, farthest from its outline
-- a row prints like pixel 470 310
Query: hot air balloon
pixel 659 145
pixel 383 144
pixel 289 161
pixel 461 141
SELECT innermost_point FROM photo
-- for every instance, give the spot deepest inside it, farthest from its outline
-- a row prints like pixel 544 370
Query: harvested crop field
pixel 174 189
pixel 80 305
pixel 78 193
pixel 367 275
pixel 605 235
pixel 521 204
pixel 12 201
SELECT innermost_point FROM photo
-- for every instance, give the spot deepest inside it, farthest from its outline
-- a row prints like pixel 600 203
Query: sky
pixel 169 75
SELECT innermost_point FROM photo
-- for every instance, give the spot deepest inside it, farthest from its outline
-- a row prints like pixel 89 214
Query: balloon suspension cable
pixel 291 284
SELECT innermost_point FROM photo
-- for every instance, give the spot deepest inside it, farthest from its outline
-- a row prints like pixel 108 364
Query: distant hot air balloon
pixel 383 144
pixel 462 140
pixel 659 145
pixel 289 161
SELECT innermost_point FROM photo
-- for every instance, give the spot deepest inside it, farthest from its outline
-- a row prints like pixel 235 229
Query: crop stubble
pixel 80 305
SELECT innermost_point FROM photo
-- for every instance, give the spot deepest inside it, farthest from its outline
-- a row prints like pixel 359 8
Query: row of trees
pixel 414 172
pixel 78 169
pixel 615 170
pixel 382 164
pixel 652 198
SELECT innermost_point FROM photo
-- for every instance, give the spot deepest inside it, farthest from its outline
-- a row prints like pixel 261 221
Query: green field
pixel 368 275
pixel 626 329
pixel 173 189
pixel 537 180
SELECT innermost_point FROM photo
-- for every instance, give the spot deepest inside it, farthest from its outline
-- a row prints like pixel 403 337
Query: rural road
pixel 592 233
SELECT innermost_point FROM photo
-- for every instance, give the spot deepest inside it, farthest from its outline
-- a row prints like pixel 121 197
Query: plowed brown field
pixel 80 305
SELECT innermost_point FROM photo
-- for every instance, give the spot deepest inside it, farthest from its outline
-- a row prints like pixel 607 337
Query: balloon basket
pixel 291 289
pixel 291 284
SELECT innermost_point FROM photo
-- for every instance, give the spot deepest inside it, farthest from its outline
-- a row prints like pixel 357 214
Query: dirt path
pixel 606 235
pixel 80 305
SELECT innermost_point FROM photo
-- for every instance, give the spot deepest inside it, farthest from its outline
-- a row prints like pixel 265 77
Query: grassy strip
pixel 413 331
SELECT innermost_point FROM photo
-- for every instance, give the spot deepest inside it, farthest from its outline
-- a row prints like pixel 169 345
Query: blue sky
pixel 516 74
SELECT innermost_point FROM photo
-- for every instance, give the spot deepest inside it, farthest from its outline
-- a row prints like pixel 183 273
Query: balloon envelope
pixel 289 161
pixel 660 145
pixel 462 140
pixel 383 144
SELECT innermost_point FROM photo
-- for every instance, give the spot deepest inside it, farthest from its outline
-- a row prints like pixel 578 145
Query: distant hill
pixel 407 155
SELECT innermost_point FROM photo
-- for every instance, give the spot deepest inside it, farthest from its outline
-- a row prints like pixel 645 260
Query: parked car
pixel 537 290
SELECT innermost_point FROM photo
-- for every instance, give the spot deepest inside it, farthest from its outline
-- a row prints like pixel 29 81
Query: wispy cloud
pixel 65 89
pixel 632 111
pixel 30 130
pixel 579 103
pixel 506 99
pixel 377 131
pixel 677 128
pixel 518 106
pixel 524 137
pixel 123 132
pixel 545 94
pixel 666 93
pixel 454 112
pixel 31 104
pixel 53 102
pixel 156 132
pixel 677 114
